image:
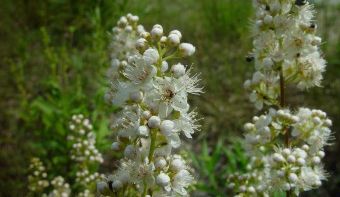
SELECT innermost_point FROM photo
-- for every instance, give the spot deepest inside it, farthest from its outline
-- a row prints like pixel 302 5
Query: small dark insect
pixel 249 58
pixel 267 7
pixel 313 26
pixel 110 185
pixel 300 2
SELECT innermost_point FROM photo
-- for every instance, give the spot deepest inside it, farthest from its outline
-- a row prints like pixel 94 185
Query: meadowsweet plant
pixel 38 176
pixel 285 145
pixel 151 86
pixel 84 154
pixel 86 157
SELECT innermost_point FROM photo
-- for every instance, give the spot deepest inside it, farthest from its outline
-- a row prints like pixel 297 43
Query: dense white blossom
pixel 85 157
pixel 285 146
pixel 151 86
pixel 285 41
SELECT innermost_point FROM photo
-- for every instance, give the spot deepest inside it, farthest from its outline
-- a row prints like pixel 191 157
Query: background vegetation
pixel 54 55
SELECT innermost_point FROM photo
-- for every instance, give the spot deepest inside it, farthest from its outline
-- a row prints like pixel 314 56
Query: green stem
pixel 152 144
pixel 145 190
pixel 282 105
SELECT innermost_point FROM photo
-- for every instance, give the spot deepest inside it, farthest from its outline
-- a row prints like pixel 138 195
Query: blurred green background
pixel 54 55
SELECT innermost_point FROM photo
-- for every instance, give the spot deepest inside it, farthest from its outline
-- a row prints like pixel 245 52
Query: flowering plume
pixel 151 87
pixel 285 145
pixel 85 156
pixel 284 42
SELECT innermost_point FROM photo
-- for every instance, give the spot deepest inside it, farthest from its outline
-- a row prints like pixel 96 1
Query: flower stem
pixel 145 189
pixel 152 144
pixel 282 105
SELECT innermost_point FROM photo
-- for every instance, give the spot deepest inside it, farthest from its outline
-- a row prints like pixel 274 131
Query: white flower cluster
pixel 285 146
pixel 285 168
pixel 85 155
pixel 284 42
pixel 60 188
pixel 37 180
pixel 83 141
pixel 151 88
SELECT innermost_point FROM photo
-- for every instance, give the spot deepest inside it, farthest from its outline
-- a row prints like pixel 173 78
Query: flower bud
pixel 166 127
pixel 173 39
pixel 321 154
pixel 291 159
pixel 117 184
pixel 186 49
pixel 316 120
pixel 162 179
pixel 293 177
pixel 143 130
pixel 251 189
pixel 101 186
pixel 157 31
pixel 154 122
pixel 176 32
pixel 128 29
pixel 316 160
pixel 268 63
pixel 242 188
pixel 286 151
pixel 141 44
pixel 136 96
pixel 151 56
pixel 178 70
pixel 122 21
pixel 177 165
pixel 278 157
pixel 286 187
pixel 268 19
pixel 140 29
pixel 328 122
pixel 164 66
pixel 249 126
pixel 160 163
pixel 129 151
pixel 301 161
pixel 305 147
pixel 146 114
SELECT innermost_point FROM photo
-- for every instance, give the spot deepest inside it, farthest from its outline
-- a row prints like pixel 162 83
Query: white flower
pixel 181 181
pixel 171 94
pixel 187 123
pixel 139 71
pixel 154 108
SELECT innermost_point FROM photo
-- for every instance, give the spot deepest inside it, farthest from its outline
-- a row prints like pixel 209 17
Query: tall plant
pixel 151 87
pixel 285 145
